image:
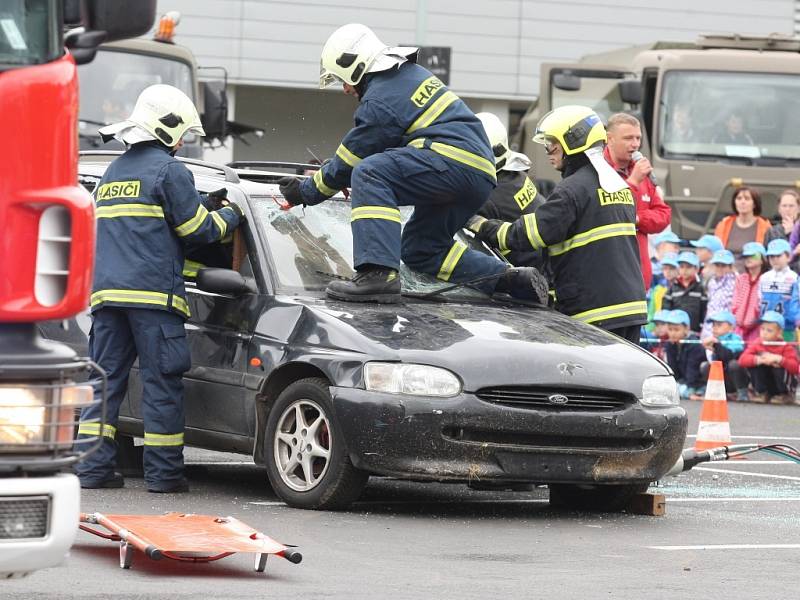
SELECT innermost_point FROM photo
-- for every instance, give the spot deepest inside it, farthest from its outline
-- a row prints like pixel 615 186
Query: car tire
pixel 308 465
pixel 600 498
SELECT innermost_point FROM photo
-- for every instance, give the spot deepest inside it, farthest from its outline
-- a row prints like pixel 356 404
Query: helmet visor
pixel 327 79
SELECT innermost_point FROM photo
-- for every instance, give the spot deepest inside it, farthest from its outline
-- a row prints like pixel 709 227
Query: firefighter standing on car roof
pixel 414 143
pixel 587 225
pixel 148 211
pixel 514 196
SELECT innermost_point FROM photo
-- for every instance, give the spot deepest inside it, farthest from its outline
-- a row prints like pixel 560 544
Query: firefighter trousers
pixel 158 338
pixel 444 196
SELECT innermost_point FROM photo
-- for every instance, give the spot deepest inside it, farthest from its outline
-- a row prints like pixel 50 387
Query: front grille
pixel 24 517
pixel 546 398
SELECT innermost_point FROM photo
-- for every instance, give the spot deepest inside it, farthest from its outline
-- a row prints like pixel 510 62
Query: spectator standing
pixel 724 345
pixel 786 222
pixel 652 213
pixel 684 354
pixel 746 293
pixel 687 293
pixel 771 362
pixel 746 225
pixel 706 246
pixel 664 243
pixel 779 286
pixel 720 287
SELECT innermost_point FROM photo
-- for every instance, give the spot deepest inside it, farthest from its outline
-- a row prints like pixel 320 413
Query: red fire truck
pixel 46 258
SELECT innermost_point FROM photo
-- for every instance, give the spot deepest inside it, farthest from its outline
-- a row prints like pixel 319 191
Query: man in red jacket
pixel 652 214
pixel 771 362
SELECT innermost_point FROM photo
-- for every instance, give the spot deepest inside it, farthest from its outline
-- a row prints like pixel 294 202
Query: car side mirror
pixel 225 281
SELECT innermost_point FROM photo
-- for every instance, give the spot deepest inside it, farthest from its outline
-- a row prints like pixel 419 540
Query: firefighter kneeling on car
pixel 588 226
pixel 148 211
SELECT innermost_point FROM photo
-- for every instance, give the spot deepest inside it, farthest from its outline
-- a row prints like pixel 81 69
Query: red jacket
pixel 745 306
pixel 653 214
pixel 789 362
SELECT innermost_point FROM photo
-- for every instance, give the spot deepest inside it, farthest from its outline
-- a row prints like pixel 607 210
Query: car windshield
pixel 748 117
pixel 111 83
pixel 312 246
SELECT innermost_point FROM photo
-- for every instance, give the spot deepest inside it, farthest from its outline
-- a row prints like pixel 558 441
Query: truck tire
pixel 306 455
pixel 595 498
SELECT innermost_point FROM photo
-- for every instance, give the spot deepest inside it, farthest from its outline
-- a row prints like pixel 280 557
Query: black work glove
pixel 238 210
pixel 526 283
pixel 290 189
pixel 218 198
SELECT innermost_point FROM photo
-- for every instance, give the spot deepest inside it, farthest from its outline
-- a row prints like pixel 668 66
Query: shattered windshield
pixel 312 246
pixel 752 117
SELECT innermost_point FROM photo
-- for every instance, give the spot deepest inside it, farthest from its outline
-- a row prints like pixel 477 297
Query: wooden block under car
pixel 648 503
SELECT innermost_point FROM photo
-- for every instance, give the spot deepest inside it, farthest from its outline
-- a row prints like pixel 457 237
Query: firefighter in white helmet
pixel 587 225
pixel 515 195
pixel 148 212
pixel 414 143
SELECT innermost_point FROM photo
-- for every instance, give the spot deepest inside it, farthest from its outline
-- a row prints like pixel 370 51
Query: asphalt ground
pixel 731 531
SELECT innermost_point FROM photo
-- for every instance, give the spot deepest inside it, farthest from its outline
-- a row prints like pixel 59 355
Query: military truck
pixel 689 97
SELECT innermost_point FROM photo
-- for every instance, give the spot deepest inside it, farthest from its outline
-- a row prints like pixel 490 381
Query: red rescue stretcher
pixel 186 537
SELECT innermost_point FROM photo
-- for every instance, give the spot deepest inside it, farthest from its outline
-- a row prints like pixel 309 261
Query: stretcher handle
pixel 127 536
pixel 293 556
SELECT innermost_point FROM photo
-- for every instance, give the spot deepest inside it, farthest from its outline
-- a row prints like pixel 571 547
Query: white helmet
pixel 162 113
pixel 504 158
pixel 354 50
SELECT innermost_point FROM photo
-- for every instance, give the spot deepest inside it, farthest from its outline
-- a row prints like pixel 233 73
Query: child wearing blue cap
pixel 655 295
pixel 720 286
pixel 665 243
pixel 778 286
pixel 771 362
pixel 706 246
pixel 688 292
pixel 654 338
pixel 684 354
pixel 725 346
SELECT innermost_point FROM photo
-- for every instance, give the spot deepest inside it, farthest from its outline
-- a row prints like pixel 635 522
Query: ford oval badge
pixel 557 399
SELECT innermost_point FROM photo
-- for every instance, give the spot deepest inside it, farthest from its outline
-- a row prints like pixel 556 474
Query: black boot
pixel 526 283
pixel 370 284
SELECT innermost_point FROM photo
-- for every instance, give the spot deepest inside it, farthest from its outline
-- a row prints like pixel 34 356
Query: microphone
pixel 636 157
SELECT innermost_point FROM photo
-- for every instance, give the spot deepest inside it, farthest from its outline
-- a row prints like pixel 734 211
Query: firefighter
pixel 514 196
pixel 148 212
pixel 588 226
pixel 414 143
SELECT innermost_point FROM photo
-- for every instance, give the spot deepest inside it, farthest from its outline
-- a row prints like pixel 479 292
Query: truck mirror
pixel 215 109
pixel 630 91
pixel 567 82
pixel 73 16
pixel 120 19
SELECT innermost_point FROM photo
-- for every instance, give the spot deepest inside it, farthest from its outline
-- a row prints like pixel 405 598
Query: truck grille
pixel 24 517
pixel 554 399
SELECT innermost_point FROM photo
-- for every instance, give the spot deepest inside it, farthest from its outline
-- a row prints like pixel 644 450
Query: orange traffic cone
pixel 714 429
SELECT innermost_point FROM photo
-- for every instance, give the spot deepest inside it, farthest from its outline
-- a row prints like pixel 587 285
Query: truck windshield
pixel 733 116
pixel 600 92
pixel 112 82
pixel 29 32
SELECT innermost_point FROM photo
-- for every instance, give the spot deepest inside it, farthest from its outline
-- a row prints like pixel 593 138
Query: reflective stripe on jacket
pixel 147 208
pixel 405 106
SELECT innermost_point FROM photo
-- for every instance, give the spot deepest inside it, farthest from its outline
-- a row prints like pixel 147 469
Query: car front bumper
pixel 466 439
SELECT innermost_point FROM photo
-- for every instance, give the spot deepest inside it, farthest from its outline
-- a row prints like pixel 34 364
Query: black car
pixel 451 385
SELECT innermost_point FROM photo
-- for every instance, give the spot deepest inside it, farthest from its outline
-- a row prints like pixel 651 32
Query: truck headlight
pixel 660 390
pixel 40 415
pixel 411 379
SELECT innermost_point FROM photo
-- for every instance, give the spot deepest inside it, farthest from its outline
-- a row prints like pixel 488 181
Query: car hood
pixel 485 344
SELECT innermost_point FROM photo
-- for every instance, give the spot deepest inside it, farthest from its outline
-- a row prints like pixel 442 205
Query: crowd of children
pixel 702 310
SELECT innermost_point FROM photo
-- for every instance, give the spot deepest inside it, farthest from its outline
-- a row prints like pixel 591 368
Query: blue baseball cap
pixel 722 257
pixel 666 236
pixel 778 247
pixel 661 315
pixel 772 316
pixel 678 317
pixel 690 258
pixel 708 241
pixel 753 248
pixel 723 316
pixel 670 259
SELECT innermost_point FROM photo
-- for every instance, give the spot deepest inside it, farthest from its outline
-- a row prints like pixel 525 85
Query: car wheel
pixel 603 498
pixel 307 461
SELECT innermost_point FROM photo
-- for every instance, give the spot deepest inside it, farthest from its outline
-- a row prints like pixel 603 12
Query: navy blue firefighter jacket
pixel 405 106
pixel 148 210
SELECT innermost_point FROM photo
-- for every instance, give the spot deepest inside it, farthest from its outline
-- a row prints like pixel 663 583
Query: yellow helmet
pixel 576 128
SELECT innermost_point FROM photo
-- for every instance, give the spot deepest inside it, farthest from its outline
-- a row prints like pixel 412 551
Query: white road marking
pixel 758 437
pixel 751 473
pixel 671 499
pixel 730 547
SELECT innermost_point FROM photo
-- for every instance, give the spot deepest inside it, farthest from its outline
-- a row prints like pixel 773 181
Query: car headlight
pixel 660 390
pixel 415 380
